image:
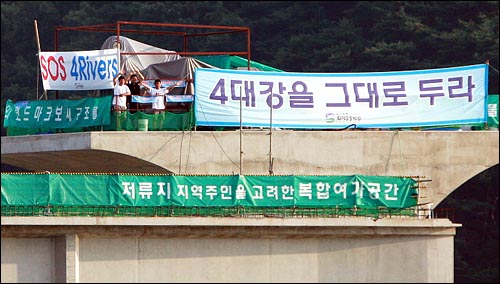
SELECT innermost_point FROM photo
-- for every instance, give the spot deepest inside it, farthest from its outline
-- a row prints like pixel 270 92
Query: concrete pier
pixel 230 249
pixel 210 249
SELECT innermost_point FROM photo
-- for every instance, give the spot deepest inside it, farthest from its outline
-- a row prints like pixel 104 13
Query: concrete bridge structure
pixel 211 249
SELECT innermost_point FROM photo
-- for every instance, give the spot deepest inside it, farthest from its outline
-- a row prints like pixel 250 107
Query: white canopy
pixel 164 66
pixel 137 62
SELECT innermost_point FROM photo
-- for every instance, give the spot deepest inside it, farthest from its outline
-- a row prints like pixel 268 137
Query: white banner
pixel 79 70
pixel 445 96
pixel 168 99
pixel 166 83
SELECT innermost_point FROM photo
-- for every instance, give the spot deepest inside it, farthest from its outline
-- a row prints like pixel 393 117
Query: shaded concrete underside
pixel 83 161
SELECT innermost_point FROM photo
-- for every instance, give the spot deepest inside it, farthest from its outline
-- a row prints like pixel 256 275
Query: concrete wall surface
pixel 27 260
pixel 238 250
pixel 445 159
pixel 93 249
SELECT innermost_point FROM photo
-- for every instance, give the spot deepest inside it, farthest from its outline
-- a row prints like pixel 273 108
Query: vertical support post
pixel 38 65
pixel 241 132
pixel 118 46
pixel 72 258
pixel 271 171
pixel 56 43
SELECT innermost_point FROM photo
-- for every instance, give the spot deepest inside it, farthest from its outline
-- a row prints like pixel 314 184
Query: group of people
pixel 125 88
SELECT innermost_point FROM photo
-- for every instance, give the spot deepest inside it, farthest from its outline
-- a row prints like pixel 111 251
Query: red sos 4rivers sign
pixel 79 70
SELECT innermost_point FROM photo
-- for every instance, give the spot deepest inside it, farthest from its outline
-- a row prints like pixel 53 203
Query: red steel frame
pixel 117 28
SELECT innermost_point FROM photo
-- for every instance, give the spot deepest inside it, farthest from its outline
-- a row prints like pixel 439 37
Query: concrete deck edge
pixel 225 221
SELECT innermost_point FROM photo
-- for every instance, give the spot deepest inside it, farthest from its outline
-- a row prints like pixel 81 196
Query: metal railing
pixel 242 212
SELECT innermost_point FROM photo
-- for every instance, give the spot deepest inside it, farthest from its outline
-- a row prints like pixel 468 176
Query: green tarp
pixel 122 121
pixel 234 62
pixel 493 111
pixel 155 122
pixel 359 191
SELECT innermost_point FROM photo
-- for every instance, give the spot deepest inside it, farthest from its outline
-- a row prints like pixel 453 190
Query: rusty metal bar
pixel 187 53
pixel 118 29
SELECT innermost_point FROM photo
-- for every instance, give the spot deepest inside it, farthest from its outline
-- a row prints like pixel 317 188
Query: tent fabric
pixel 180 69
pixel 137 62
pixel 164 66
pixel 172 66
pixel 235 62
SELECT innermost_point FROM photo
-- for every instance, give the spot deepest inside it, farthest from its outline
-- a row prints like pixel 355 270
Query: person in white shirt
pixel 159 104
pixel 119 96
pixel 159 92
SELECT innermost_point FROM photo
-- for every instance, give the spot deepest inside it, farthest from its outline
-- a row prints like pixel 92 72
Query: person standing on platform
pixel 158 106
pixel 159 92
pixel 120 93
pixel 134 85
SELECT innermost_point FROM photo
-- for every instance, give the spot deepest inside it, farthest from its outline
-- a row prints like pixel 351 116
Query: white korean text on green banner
pixel 206 191
pixel 58 113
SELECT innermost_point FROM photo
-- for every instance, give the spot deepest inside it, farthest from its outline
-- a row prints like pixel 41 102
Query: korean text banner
pixel 58 113
pixel 493 111
pixel 79 70
pixel 206 191
pixel 431 97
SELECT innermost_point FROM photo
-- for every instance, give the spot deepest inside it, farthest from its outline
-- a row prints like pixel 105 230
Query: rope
pixel 189 150
pixel 488 62
pixel 400 155
pixel 180 153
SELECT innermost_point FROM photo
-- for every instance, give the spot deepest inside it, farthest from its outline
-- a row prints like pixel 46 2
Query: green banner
pixel 493 110
pixel 205 191
pixel 166 121
pixel 58 113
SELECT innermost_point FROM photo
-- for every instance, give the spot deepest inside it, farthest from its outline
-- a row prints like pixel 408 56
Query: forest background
pixel 296 36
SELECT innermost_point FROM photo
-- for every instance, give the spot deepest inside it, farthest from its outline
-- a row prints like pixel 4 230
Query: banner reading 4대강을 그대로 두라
pixel 415 98
pixel 492 112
